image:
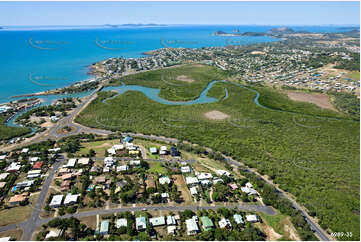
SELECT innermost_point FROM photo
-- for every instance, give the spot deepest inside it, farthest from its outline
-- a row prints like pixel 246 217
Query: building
pixel 33 159
pixel 37 165
pixel 13 167
pixel 185 169
pixel 204 176
pixel 25 150
pixel 134 162
pixel 17 199
pixel 205 182
pixel 163 150
pixel 53 233
pixel 2 185
pixel 122 222
pixel 33 174
pixel 108 161
pixel 249 185
pixel 56 201
pixel 65 185
pixel 224 223
pixel 71 199
pixel 233 186
pixel 252 218
pixel 140 223
pixel 63 171
pixel 238 219
pixel 171 229
pixel 249 191
pixel 171 220
pixel 67 176
pixel 71 163
pixel 4 175
pixel 118 147
pixel 83 161
pixel 54 150
pixel 223 172
pixel 174 152
pixel 111 151
pixel 128 139
pixel 99 179
pixel 25 183
pixel 190 180
pixel 207 223
pixel 122 168
pixel 164 180
pixel 104 227
pixel 153 150
pixel 157 221
pixel 193 191
pixel 3 157
pixel 192 227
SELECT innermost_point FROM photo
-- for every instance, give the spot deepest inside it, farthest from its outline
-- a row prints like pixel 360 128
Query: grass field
pixel 354 75
pixel 17 234
pixel 14 215
pixel 157 168
pixel 7 132
pixel 98 146
pixel 314 158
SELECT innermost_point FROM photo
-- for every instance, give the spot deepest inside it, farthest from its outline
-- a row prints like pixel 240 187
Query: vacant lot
pixel 17 234
pixel 98 146
pixel 182 187
pixel 319 99
pixel 14 215
pixel 184 78
pixel 90 221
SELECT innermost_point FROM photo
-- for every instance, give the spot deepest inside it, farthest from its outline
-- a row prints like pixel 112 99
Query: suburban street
pixel 54 134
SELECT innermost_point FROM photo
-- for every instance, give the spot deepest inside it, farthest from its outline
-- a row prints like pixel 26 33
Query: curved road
pixel 53 133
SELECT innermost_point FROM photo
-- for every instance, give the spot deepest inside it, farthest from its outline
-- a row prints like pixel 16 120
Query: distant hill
pixel 281 30
pixel 133 25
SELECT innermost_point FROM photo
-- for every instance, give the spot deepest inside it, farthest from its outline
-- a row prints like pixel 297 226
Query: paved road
pixel 69 121
pixel 30 224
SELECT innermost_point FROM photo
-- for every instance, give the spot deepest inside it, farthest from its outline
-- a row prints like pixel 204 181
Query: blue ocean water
pixel 34 60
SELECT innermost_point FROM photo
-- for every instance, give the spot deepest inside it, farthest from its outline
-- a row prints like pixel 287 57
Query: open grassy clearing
pixel 182 187
pixel 354 75
pixel 15 215
pixel 157 168
pixel 7 132
pixel 316 159
pixel 98 146
pixel 17 234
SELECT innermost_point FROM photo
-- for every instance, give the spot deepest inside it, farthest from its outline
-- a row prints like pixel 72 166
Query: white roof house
pixel 83 161
pixel 252 218
pixel 215 181
pixel 134 162
pixel 249 185
pixel 157 221
pixel 108 161
pixel 224 223
pixel 54 150
pixel 140 223
pixel 164 195
pixel 122 168
pixel 164 180
pixel 118 147
pixel 249 191
pixel 111 151
pixel 206 182
pixel 4 175
pixel 223 172
pixel 185 169
pixel 2 157
pixel 171 229
pixel 71 199
pixel 71 163
pixel 204 176
pixel 163 150
pixel 191 180
pixel 192 227
pixel 56 201
pixel 14 166
pixel 34 173
pixel 193 191
pixel 34 159
pixel 171 220
pixel 53 233
pixel 153 150
pixel 25 150
pixel 122 222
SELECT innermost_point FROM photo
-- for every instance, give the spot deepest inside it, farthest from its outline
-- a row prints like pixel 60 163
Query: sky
pixel 238 13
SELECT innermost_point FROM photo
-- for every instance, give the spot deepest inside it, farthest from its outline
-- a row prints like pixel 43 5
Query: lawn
pixel 157 168
pixel 354 75
pixel 98 146
pixel 14 215
pixel 315 158
pixel 17 234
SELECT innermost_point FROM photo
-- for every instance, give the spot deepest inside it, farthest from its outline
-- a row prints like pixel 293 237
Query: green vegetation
pixel 348 103
pixel 316 159
pixel 354 75
pixel 217 91
pixel 7 132
pixel 351 65
pixel 171 88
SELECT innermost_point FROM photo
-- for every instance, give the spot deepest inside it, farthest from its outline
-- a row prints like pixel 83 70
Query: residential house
pixel 3 157
pixel 56 201
pixel 67 176
pixel 37 165
pixel 192 180
pixel 99 180
pixel 4 175
pixel 71 199
pixel 128 139
pixel 171 229
pixel 157 221
pixel 216 180
pixel 163 150
pixel 140 223
pixel 238 219
pixel 54 150
pixel 104 227
pixel 252 218
pixel 118 147
pixel 25 183
pixel 122 168
pixel 204 176
pixel 171 220
pixel 17 199
pixel 185 169
pixel 111 151
pixel 207 223
pixel 223 172
pixel 249 191
pixel 122 222
pixel 193 191
pixel 153 150
pixel 224 223
pixel 2 185
pixel 53 233
pixel 63 171
pixel 34 174
pixel 25 150
pixel 164 180
pixel 65 185
pixel 83 161
pixel 134 162
pixel 13 167
pixel 109 161
pixel 205 182
pixel 233 186
pixel 71 163
pixel 192 227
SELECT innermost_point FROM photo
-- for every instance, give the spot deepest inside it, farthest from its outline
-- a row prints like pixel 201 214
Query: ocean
pixel 39 59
